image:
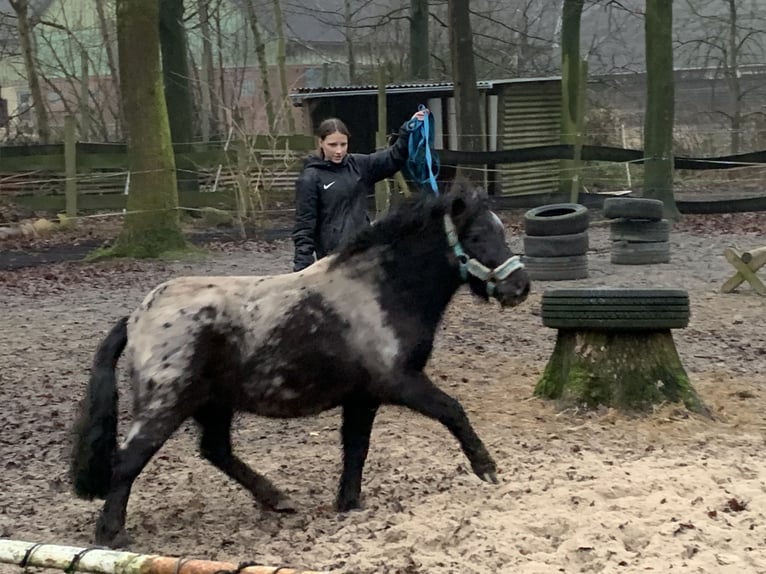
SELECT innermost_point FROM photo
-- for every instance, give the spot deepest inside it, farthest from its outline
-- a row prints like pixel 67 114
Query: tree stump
pixel 615 348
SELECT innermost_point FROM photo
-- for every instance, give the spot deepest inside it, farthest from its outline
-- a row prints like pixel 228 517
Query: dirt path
pixel 598 492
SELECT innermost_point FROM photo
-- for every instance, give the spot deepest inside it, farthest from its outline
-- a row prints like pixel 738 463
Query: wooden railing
pixel 78 177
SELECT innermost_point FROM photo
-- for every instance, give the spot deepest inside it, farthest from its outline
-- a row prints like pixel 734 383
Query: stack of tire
pixel 639 234
pixel 556 242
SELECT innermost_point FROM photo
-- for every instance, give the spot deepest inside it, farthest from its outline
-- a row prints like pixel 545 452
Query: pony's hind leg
pixel 215 446
pixel 420 394
pixel 358 417
pixel 145 438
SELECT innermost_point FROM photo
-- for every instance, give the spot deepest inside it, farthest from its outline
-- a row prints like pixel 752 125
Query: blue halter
pixel 471 266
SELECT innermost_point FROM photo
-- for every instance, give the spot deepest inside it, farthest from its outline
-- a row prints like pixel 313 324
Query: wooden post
pixel 582 94
pixel 627 163
pixel 70 165
pixel 381 188
pixel 243 184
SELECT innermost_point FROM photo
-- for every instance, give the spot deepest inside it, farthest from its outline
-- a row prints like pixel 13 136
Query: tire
pixel 633 208
pixel 606 294
pixel 556 219
pixel 616 309
pixel 556 245
pixel 640 253
pixel 639 230
pixel 556 268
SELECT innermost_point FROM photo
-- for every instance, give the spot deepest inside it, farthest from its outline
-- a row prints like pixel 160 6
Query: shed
pixel 517 113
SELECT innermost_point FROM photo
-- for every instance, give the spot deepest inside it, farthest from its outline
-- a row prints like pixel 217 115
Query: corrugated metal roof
pixel 301 94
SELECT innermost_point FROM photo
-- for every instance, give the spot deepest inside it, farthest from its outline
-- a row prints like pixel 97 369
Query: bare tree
pixel 726 35
pixel 26 44
pixel 208 90
pixel 570 77
pixel 175 70
pixel 466 91
pixel 106 25
pixel 263 65
pixel 419 46
pixel 282 63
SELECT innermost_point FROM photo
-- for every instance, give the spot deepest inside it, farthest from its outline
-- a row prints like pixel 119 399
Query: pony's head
pixel 476 237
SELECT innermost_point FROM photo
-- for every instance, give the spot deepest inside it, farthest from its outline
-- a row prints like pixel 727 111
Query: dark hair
pixel 330 126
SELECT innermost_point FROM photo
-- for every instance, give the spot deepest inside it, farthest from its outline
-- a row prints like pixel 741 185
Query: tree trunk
pixel 466 93
pixel 593 368
pixel 221 115
pixel 177 84
pixel 263 66
pixel 732 76
pixel 152 224
pixel 208 72
pixel 26 44
pixel 282 65
pixel 350 56
pixel 111 61
pixel 570 82
pixel 660 103
pixel 419 46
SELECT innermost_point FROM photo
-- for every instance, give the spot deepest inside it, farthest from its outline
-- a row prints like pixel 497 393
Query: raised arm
pixel 385 163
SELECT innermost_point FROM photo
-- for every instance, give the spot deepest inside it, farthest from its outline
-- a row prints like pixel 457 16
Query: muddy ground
pixel 578 492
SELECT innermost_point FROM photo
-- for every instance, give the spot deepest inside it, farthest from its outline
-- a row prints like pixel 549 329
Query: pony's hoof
pixel 118 540
pixel 486 470
pixel 490 477
pixel 343 506
pixel 283 506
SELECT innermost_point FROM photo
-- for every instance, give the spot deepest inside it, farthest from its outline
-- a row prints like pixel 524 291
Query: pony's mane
pixel 409 217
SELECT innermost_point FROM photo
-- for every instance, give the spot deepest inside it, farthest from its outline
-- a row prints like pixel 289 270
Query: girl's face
pixel 334 147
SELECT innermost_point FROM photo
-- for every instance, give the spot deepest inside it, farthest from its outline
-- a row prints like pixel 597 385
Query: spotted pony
pixel 354 330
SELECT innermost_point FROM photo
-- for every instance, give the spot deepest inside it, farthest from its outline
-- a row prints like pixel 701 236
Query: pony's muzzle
pixel 513 289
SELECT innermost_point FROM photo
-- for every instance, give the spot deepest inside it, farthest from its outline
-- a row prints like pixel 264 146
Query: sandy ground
pixel 578 492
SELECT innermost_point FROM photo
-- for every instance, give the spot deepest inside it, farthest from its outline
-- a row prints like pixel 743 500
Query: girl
pixel 332 189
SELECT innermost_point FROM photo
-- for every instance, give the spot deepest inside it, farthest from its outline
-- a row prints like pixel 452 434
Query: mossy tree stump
pixel 615 348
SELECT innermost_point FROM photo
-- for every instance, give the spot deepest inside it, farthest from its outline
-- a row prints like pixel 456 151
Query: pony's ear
pixel 458 206
pixel 463 196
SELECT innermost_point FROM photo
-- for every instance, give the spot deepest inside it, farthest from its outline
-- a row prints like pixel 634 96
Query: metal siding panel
pixel 531 116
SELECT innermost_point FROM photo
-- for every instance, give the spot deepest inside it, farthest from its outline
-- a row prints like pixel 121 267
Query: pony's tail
pixel 95 430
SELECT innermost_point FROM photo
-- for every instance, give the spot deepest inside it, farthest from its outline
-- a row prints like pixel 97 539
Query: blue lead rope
pixel 422 163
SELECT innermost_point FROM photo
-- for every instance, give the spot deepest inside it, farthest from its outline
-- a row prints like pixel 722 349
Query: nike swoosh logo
pixel 329 185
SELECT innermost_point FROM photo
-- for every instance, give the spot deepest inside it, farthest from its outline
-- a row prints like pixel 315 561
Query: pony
pixel 354 330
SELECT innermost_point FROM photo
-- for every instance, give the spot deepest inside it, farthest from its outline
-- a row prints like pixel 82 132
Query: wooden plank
pixel 45 162
pixel 87 160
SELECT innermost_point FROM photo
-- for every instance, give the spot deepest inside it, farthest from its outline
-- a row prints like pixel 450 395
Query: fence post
pixel 70 165
pixel 582 94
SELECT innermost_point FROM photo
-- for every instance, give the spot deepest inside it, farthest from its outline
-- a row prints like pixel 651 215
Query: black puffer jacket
pixel 330 198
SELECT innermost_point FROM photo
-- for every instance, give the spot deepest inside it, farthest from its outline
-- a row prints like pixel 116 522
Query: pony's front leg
pixel 417 392
pixel 358 416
